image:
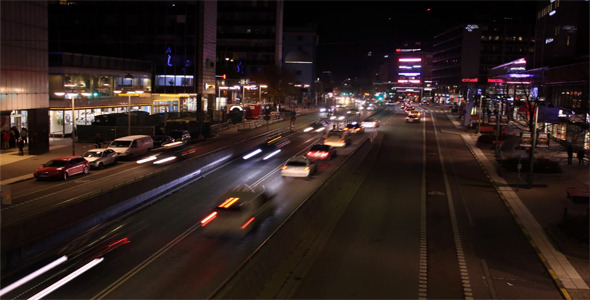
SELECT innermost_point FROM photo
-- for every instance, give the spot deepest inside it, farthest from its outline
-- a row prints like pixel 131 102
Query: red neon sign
pixel 469 79
pixel 491 80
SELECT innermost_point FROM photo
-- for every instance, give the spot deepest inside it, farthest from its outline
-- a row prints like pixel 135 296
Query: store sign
pixel 526 139
pixel 469 79
pixel 492 80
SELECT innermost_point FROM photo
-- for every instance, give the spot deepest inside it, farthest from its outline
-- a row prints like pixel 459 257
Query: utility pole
pixel 533 145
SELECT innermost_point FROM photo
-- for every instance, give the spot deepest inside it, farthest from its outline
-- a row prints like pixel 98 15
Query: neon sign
pixel 409 59
pixel 469 79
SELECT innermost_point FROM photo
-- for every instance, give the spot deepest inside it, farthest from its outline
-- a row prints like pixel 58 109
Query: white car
pixel 238 211
pixel 100 157
pixel 298 166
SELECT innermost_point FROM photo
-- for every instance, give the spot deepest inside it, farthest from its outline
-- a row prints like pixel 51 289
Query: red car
pixel 321 152
pixel 63 168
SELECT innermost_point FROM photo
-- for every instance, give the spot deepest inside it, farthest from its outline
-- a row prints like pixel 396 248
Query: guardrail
pixel 26 237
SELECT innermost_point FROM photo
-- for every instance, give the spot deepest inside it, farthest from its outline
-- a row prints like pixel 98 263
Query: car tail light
pixel 208 219
pixel 309 153
pixel 247 223
pixel 306 168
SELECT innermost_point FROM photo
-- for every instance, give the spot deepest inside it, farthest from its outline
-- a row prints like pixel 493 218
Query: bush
pixel 542 165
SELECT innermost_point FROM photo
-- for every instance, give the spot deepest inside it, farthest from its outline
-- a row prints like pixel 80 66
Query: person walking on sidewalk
pixel 20 144
pixel 5 140
pixel 580 156
pixel 570 153
pixel 24 133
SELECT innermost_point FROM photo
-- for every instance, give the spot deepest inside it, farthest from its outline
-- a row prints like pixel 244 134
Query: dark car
pixel 161 140
pixel 321 152
pixel 62 168
pixel 180 136
pixel 354 127
pixel 413 118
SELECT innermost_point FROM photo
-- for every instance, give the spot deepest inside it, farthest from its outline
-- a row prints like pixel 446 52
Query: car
pixel 415 112
pixel 298 166
pixel 62 168
pixel 370 123
pixel 100 157
pixel 354 127
pixel 238 211
pixel 412 119
pixel 132 146
pixel 317 126
pixel 337 138
pixel 180 136
pixel 161 140
pixel 321 152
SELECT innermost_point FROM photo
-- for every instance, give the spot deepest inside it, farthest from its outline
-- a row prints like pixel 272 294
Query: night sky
pixel 348 30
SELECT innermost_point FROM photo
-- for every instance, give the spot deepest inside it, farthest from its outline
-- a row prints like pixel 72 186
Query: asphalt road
pixel 422 222
pixel 473 247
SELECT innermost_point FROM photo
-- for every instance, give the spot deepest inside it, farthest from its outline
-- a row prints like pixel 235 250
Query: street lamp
pixel 129 93
pixel 260 87
pixel 72 97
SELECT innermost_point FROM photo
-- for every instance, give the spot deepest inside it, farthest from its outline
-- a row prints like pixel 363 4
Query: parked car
pixel 321 152
pixel 161 140
pixel 62 168
pixel 132 146
pixel 180 136
pixel 238 211
pixel 100 157
pixel 299 166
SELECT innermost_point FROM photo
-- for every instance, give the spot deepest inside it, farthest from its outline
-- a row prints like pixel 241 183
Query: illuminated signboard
pixel 409 59
pixel 471 28
pixel 469 79
pixel 408 74
pixel 491 80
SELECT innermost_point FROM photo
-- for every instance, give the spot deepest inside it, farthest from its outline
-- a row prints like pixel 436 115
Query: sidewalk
pixel 15 168
pixel 544 212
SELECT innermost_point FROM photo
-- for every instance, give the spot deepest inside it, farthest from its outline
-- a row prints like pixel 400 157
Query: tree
pixel 277 80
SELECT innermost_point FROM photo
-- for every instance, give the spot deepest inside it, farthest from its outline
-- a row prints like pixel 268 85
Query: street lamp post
pixel 260 87
pixel 73 97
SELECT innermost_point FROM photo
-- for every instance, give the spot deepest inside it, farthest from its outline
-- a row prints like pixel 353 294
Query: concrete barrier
pixel 26 238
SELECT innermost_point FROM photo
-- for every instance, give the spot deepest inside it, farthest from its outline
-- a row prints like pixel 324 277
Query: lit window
pixel 497 38
pixel 567 42
pixel 520 38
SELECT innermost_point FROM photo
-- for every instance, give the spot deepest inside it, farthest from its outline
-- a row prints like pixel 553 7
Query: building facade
pixel 462 55
pixel 24 100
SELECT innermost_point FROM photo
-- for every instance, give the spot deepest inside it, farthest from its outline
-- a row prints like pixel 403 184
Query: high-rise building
pixel 561 33
pixel 177 37
pixel 23 69
pixel 249 37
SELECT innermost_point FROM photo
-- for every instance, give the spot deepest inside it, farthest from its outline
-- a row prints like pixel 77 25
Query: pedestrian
pixel 570 153
pixel 5 139
pixel 12 140
pixel 20 144
pixel 580 155
pixel 24 134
